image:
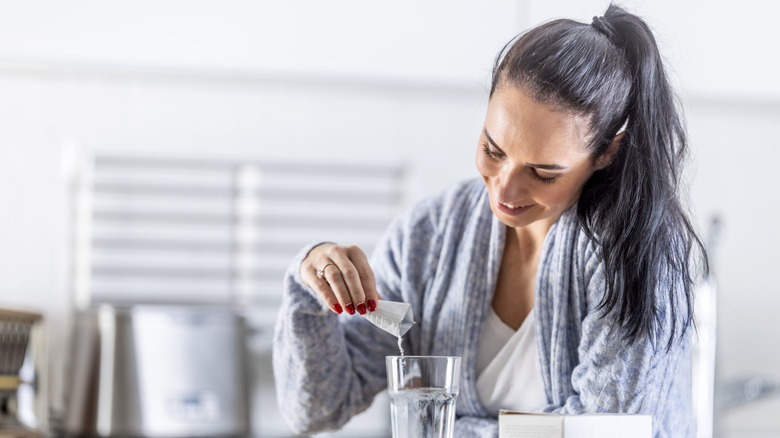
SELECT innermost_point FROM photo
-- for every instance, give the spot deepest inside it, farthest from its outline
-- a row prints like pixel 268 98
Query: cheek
pixel 564 193
pixel 558 195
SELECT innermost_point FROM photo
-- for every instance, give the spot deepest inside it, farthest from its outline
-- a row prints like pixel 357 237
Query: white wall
pixel 342 81
pixel 736 145
pixel 361 81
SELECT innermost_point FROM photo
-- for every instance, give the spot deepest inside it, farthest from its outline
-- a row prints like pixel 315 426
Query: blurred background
pixel 134 137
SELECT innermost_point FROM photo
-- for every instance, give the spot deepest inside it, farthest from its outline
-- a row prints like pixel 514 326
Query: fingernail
pixel 371 304
pixel 361 309
pixel 337 308
pixel 350 309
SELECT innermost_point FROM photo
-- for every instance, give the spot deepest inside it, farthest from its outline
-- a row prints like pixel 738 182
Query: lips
pixel 510 205
pixel 512 209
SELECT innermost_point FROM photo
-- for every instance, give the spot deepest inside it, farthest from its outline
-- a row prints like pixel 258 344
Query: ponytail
pixel 611 72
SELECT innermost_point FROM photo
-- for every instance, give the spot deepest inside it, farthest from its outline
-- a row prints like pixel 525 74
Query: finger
pixel 350 274
pixel 315 259
pixel 336 282
pixel 323 290
pixel 366 275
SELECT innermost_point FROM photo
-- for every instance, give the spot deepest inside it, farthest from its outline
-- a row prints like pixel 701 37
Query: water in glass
pixel 423 413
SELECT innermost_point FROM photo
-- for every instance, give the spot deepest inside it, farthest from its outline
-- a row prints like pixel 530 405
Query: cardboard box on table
pixel 534 425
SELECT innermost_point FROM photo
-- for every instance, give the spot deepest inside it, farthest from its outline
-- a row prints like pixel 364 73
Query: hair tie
pixel 602 25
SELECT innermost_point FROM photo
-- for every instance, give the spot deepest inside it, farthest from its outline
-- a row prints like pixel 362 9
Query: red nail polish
pixel 371 304
pixel 361 308
pixel 350 309
pixel 337 308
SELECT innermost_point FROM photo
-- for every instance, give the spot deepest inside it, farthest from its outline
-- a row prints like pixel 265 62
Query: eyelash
pixel 541 179
pixel 490 153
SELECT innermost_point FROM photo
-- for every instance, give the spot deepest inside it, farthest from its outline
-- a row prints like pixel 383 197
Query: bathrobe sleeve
pixel 610 374
pixel 329 367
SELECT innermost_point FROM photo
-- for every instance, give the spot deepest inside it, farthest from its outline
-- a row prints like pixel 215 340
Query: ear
pixel 606 158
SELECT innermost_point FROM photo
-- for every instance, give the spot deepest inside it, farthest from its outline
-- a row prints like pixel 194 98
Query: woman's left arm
pixel 643 376
pixel 615 376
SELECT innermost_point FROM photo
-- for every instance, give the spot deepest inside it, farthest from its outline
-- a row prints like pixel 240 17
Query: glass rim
pixel 422 357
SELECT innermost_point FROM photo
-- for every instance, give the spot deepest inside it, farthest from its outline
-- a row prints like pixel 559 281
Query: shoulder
pixel 459 201
pixel 414 240
pixel 424 227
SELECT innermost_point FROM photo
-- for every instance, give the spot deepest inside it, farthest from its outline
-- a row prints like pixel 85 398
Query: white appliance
pixel 158 371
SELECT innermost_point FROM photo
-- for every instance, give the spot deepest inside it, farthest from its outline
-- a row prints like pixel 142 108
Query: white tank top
pixel 507 365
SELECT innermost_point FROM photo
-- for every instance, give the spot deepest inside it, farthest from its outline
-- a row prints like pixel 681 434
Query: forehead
pixel 515 120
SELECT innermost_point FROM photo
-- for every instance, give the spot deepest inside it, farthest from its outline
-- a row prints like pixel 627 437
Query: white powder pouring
pixel 393 317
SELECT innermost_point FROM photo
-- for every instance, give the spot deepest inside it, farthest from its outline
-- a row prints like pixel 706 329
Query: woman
pixel 562 278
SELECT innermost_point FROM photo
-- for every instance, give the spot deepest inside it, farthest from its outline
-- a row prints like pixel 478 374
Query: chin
pixel 514 222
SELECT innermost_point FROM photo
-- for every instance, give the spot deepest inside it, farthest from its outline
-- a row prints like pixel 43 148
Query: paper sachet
pixel 393 317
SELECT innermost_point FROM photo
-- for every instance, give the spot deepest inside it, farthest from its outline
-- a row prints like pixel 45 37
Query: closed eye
pixel 543 179
pixel 492 152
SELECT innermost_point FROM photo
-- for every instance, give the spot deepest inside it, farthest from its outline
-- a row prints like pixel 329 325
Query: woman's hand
pixel 341 277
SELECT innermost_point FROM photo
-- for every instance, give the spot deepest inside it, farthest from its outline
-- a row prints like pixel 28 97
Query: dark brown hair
pixel 611 72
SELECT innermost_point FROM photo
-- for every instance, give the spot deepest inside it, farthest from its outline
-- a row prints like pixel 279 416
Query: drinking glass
pixel 423 391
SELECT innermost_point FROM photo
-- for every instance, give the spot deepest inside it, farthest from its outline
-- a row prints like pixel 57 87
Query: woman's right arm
pixel 327 367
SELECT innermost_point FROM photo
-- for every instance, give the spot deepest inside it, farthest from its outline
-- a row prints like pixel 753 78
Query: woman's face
pixel 533 158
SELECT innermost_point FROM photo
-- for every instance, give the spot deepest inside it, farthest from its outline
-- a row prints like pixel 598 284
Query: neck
pixel 528 240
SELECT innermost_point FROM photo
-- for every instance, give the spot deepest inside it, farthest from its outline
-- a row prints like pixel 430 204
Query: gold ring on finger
pixel 321 271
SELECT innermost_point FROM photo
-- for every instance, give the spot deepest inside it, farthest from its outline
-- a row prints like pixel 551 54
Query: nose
pixel 511 184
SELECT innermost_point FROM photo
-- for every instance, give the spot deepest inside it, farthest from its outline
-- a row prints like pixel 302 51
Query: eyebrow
pixel 534 165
